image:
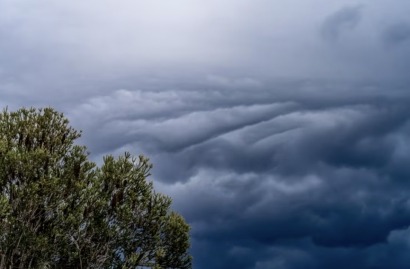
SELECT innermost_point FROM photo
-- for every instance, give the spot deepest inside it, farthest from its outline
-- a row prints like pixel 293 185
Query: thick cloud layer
pixel 280 128
pixel 306 174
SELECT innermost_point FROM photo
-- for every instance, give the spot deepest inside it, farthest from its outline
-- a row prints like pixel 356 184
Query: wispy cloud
pixel 345 19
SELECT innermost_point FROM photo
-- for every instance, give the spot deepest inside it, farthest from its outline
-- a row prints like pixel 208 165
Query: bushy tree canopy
pixel 60 210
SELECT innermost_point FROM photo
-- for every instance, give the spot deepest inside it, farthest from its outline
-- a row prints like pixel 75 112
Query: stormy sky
pixel 280 128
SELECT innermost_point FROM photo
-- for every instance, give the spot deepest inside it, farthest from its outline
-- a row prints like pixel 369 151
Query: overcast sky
pixel 280 128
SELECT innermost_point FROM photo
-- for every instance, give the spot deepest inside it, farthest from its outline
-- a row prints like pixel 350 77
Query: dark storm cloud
pixel 349 153
pixel 344 19
pixel 277 176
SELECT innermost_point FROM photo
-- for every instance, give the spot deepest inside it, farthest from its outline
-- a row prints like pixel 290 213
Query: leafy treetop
pixel 59 210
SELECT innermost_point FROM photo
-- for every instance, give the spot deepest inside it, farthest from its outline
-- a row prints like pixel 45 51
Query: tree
pixel 60 210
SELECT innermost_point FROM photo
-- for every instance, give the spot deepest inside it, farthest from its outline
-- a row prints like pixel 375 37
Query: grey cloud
pixel 321 173
pixel 306 255
pixel 396 34
pixel 342 20
pixel 160 116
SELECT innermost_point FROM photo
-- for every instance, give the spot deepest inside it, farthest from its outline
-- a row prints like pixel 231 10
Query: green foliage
pixel 59 210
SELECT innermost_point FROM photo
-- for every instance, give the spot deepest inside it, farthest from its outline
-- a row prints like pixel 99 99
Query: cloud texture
pixel 303 174
pixel 280 128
